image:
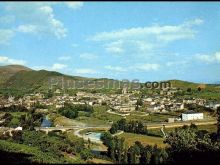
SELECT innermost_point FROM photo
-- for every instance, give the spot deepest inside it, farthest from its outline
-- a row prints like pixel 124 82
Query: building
pixel 191 115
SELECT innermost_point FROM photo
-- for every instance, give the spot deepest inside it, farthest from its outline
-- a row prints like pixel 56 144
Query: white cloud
pixel 64 58
pixel 141 40
pixel 37 18
pixel 6 60
pixel 143 45
pixel 145 67
pixel 115 68
pixel 209 58
pixel 5 36
pixel 196 21
pixel 115 47
pixel 87 56
pixel 85 71
pixel 115 50
pixel 74 5
pixel 58 66
pixel 174 63
pixel 175 32
pixel 27 28
pixel 41 67
pixel 55 67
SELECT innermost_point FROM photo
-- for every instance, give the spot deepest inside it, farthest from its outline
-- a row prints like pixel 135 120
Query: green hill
pixel 8 71
pixel 20 78
pixel 186 84
pixel 183 84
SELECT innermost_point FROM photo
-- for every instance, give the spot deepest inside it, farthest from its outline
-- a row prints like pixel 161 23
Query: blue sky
pixel 149 41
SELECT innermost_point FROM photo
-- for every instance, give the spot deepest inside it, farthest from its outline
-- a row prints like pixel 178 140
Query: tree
pixel 139 103
pixel 189 90
pixel 89 143
pixel 134 152
pixel 7 119
pixel 86 154
pixel 122 124
pixel 187 147
pixel 218 121
pixel 119 148
pixel 114 128
pixel 125 156
pixel 106 138
pixel 193 126
pixel 111 149
pixel 69 111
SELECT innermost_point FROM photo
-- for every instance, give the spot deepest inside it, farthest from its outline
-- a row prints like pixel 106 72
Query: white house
pixel 191 115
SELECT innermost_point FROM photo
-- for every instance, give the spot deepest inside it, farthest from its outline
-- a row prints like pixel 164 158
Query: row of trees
pixel 131 126
pixel 137 153
pixel 14 108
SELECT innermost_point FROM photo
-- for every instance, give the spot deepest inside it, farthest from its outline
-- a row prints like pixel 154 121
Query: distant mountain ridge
pixel 21 77
pixel 9 70
pixel 217 82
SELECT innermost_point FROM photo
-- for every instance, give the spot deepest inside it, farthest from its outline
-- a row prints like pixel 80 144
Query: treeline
pixel 199 108
pixel 39 105
pixel 72 111
pixel 14 108
pixel 131 126
pixel 135 154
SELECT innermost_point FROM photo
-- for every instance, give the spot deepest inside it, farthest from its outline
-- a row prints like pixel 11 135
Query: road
pixel 179 124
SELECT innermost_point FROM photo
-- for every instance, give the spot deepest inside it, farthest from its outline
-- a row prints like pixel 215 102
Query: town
pixel 121 104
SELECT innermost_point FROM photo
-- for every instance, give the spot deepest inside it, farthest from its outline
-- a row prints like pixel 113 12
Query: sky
pixel 147 41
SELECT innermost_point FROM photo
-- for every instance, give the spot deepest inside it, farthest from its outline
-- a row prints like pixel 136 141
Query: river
pixel 46 122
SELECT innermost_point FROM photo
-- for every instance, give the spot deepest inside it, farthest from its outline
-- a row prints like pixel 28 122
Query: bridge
pixel 62 129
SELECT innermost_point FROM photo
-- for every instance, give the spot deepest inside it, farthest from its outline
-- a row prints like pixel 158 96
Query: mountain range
pixel 21 77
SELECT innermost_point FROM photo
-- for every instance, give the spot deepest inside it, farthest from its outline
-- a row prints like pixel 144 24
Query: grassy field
pixel 99 161
pixel 131 138
pixel 17 114
pixel 209 95
pixel 64 121
pixel 154 117
pixel 98 117
pixel 210 128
